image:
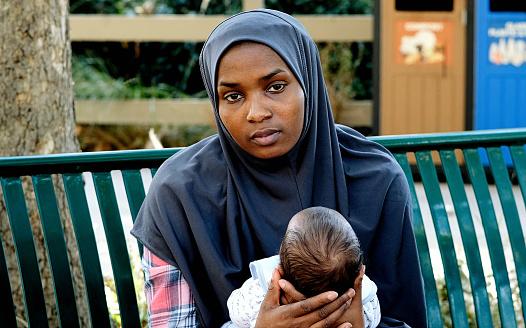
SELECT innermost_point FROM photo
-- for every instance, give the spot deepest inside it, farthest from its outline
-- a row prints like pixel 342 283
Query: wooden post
pixel 253 4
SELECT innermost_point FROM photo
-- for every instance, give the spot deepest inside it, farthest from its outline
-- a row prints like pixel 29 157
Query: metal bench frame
pixel 496 144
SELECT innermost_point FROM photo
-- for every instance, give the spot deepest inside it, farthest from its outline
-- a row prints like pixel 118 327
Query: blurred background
pixel 161 79
pixel 391 66
pixel 449 65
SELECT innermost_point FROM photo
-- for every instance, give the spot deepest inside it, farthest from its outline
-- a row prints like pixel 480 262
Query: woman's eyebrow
pixel 271 74
pixel 228 84
pixel 264 78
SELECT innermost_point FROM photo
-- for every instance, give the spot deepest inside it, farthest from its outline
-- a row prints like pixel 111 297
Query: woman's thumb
pixel 274 290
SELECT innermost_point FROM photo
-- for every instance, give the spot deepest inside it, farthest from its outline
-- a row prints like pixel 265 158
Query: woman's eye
pixel 233 97
pixel 277 87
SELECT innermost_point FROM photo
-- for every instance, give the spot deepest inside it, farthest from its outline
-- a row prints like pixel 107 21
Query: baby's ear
pixel 280 269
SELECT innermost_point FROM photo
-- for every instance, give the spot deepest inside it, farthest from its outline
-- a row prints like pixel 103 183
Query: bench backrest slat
pixel 88 252
pixel 117 247
pixel 434 316
pixel 26 253
pixel 56 249
pixel 511 214
pixel 491 230
pixel 135 192
pixel 518 155
pixel 431 184
pixel 503 184
pixel 7 310
pixel 469 237
pixel 457 171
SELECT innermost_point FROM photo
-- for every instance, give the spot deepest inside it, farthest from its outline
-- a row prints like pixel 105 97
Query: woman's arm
pixel 168 296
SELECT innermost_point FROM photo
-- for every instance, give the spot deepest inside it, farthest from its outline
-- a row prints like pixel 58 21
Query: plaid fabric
pixel 170 301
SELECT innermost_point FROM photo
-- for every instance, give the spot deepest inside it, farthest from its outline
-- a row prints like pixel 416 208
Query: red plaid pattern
pixel 170 301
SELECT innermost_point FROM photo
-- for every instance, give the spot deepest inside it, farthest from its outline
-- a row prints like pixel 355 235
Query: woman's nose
pixel 258 110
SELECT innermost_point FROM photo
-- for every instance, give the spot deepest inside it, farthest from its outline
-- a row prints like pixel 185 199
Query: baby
pixel 320 252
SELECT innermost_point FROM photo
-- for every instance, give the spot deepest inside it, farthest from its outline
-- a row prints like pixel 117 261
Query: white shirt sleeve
pixel 370 303
pixel 244 303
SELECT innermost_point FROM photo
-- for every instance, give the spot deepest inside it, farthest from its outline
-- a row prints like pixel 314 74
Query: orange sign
pixel 428 42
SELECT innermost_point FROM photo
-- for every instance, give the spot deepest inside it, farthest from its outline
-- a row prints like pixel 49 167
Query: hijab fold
pixel 213 208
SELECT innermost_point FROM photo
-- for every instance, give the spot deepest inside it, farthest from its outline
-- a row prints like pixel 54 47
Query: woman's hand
pixel 321 311
pixel 354 313
pixel 288 294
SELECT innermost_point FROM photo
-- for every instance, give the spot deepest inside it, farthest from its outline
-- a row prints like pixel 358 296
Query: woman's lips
pixel 266 137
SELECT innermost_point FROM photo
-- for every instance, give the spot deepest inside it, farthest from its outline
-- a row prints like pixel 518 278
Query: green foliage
pixel 340 64
pixel 321 7
pixel 111 295
pixel 130 70
pixel 135 7
pixel 147 64
pixel 468 298
pixel 171 69
pixel 94 81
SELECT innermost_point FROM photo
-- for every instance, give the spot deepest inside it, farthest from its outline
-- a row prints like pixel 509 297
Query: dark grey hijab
pixel 213 208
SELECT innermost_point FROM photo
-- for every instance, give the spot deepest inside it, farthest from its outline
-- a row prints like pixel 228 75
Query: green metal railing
pixel 496 144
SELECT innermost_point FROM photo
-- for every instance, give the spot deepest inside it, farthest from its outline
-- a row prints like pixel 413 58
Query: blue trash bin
pixel 499 64
pixel 499 71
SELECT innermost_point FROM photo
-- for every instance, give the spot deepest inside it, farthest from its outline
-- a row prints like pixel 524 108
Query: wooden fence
pixel 196 28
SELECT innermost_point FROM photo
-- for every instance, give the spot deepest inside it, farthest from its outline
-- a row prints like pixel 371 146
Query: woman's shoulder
pixel 357 148
pixel 201 162
pixel 207 152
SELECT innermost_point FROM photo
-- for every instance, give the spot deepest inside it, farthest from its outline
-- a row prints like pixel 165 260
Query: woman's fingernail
pixel 332 296
pixel 281 284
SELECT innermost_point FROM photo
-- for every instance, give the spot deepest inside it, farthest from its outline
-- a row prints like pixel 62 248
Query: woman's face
pixel 261 103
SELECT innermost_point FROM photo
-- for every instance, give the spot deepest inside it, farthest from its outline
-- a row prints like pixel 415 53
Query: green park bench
pixel 475 162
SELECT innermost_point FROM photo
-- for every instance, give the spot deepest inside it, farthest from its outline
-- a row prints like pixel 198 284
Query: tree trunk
pixel 37 117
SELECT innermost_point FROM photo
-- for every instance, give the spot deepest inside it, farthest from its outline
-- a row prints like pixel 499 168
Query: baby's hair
pixel 321 253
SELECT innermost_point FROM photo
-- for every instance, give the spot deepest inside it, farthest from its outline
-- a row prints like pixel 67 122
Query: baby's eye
pixel 233 97
pixel 276 87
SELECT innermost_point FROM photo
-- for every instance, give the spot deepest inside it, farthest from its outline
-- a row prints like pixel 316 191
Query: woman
pixel 226 201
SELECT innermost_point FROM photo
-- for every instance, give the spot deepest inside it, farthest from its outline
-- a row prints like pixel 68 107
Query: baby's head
pixel 320 252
